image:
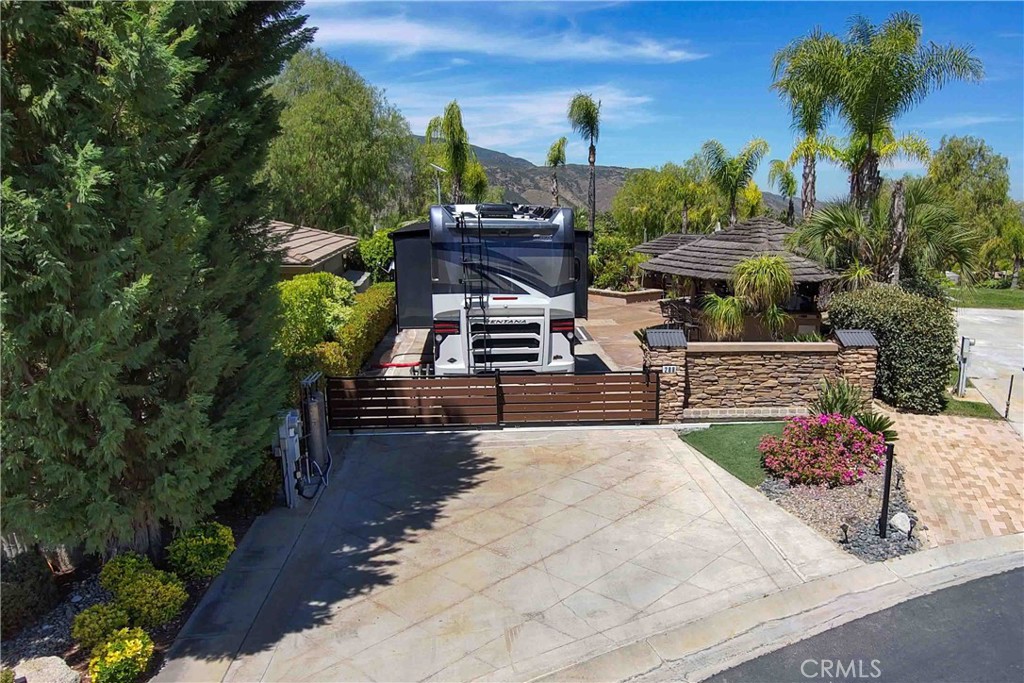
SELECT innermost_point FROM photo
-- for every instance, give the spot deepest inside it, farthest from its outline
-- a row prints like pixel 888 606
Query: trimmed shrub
pixel 94 625
pixel 152 598
pixel 202 552
pixel 313 307
pixel 829 450
pixel 916 337
pixel 6 675
pixel 123 568
pixel 123 658
pixel 27 592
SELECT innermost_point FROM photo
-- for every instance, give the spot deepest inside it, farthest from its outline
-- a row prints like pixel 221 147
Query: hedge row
pixel 368 321
pixel 916 338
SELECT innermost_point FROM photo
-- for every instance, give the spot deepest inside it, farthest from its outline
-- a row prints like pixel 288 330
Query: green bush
pixel 377 251
pixel 122 568
pixel 258 492
pixel 94 625
pixel 202 552
pixel 27 592
pixel 916 337
pixel 613 265
pixel 123 658
pixel 152 598
pixel 313 307
pixel 6 675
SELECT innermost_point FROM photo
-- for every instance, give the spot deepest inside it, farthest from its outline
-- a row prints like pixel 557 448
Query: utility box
pixel 289 433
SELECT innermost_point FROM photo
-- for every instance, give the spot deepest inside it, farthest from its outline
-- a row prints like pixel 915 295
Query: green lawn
pixel 980 297
pixel 955 406
pixel 734 447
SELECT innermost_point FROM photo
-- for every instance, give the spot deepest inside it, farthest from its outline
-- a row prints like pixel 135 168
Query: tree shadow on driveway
pixel 294 572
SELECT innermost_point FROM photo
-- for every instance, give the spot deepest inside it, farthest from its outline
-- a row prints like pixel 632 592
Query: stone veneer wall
pixel 752 379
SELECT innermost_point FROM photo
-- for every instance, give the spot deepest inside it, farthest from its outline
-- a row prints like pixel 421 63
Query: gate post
pixel 499 400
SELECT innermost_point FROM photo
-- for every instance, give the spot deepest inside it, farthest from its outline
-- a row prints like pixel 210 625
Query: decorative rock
pixel 47 670
pixel 76 598
pixel 901 521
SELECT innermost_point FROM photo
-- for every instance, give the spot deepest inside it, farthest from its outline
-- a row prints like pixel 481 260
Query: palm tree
pixel 846 238
pixel 877 74
pixel 448 133
pixel 556 158
pixel 1007 243
pixel 850 153
pixel 585 118
pixel 722 316
pixel 732 173
pixel 780 176
pixel 797 81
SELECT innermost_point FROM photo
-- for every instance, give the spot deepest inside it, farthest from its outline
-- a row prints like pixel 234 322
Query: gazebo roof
pixel 304 246
pixel 667 242
pixel 713 257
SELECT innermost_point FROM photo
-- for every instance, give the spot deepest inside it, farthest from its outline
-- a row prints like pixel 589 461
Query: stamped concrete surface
pixel 497 555
pixel 964 476
pixel 611 323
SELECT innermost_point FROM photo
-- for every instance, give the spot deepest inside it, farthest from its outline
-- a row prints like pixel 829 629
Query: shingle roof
pixel 302 246
pixel 663 338
pixel 667 242
pixel 713 257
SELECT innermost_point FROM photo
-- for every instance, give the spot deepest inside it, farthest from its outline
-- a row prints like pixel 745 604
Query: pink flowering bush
pixel 826 449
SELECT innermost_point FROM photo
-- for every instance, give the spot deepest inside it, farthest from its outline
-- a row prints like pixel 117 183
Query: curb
pixel 704 647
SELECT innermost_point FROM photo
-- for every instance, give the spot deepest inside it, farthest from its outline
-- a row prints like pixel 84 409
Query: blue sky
pixel 669 75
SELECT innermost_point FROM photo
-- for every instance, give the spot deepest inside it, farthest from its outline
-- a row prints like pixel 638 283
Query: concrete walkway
pixel 502 555
pixel 997 355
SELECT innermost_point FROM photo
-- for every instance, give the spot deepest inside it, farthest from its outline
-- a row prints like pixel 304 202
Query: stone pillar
pixel 672 385
pixel 857 364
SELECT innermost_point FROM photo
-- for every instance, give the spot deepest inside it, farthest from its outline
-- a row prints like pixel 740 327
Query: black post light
pixel 883 521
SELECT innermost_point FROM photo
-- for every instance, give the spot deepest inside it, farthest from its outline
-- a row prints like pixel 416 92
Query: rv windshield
pixel 510 265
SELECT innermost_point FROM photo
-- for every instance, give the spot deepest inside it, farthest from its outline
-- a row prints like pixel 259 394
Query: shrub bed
pixel 152 598
pixel 370 318
pixel 916 337
pixel 829 450
pixel 95 625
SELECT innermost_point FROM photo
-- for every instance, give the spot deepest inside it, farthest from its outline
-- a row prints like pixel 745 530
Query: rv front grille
pixel 505 343
pixel 499 358
pixel 491 327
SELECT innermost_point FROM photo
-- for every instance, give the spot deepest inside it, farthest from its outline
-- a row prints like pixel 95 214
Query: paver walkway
pixel 965 476
pixel 612 324
pixel 500 554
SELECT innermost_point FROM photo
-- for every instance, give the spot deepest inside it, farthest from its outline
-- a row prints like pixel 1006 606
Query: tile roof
pixel 304 246
pixel 713 257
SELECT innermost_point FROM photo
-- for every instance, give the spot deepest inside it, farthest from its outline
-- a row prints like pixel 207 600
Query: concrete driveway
pixel 998 353
pixel 501 555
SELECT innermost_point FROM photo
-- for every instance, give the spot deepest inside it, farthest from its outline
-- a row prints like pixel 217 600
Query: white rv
pixel 505 287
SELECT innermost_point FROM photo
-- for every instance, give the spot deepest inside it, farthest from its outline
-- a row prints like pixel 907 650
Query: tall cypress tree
pixel 139 381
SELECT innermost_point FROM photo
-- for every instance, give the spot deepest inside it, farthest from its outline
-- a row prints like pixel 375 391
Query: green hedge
pixel 368 321
pixel 916 337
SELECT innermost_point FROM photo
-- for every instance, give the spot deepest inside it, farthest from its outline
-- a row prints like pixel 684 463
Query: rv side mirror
pixel 577 270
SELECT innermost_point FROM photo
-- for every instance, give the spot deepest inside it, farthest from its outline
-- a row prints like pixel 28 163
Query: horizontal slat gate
pixel 491 400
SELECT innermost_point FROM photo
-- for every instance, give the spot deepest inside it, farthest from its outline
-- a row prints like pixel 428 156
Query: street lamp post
pixel 437 179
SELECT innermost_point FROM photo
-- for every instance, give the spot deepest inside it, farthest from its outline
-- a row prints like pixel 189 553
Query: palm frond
pixel 762 281
pixel 556 153
pixel 723 317
pixel 585 116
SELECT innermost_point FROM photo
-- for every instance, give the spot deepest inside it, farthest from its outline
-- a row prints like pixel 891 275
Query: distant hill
pixel 526 183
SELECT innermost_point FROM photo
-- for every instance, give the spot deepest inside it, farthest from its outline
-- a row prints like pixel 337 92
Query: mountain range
pixel 527 183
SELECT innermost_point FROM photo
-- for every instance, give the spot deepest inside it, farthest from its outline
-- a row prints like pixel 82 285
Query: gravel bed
pixel 859 506
pixel 51 635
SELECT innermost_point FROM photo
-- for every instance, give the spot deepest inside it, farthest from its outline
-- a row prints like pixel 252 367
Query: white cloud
pixel 965 121
pixel 518 122
pixel 403 37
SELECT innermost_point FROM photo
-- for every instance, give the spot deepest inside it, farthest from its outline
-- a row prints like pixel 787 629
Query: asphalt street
pixel 971 633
